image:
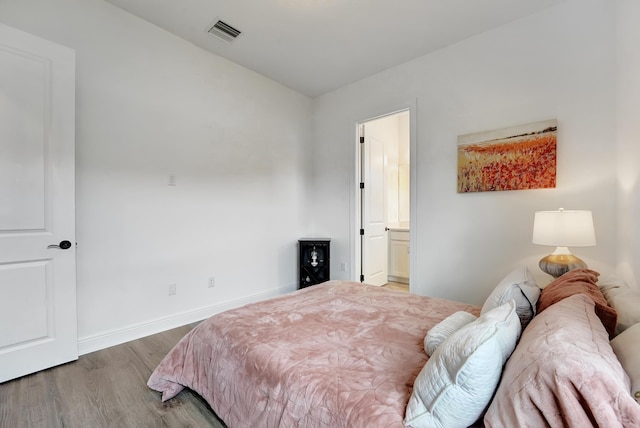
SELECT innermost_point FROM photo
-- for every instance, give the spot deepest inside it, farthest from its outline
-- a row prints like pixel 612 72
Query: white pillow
pixel 624 299
pixel 611 281
pixel 446 328
pixel 520 286
pixel 626 345
pixel 457 382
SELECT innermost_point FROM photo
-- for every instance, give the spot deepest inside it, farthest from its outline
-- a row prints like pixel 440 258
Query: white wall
pixel 559 63
pixel 628 110
pixel 150 105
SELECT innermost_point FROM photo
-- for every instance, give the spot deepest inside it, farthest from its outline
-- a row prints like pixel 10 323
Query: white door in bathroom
pixel 375 246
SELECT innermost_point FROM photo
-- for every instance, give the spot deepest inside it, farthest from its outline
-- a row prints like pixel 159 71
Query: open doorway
pixel 384 200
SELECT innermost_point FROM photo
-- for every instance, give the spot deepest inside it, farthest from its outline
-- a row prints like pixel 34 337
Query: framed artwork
pixel 517 158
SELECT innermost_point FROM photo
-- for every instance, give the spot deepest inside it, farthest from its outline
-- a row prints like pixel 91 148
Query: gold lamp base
pixel 559 264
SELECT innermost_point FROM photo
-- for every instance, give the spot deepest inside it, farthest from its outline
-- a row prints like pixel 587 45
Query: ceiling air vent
pixel 224 31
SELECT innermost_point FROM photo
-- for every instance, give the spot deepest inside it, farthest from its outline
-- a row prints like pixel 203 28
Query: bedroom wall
pixel 628 109
pixel 151 105
pixel 559 63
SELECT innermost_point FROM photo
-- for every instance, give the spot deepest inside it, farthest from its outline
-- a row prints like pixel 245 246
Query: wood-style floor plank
pixel 107 388
pixel 398 286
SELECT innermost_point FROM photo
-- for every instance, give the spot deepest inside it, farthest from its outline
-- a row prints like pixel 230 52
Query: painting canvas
pixel 521 157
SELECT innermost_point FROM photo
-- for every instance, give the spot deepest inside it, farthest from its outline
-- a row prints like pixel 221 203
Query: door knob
pixel 63 245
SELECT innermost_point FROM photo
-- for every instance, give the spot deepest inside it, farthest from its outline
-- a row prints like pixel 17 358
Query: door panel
pixel 399 256
pixel 25 286
pixel 22 139
pixel 374 213
pixel 38 321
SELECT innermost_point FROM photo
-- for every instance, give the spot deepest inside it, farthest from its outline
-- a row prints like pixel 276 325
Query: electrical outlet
pixel 343 267
pixel 172 289
pixel 212 281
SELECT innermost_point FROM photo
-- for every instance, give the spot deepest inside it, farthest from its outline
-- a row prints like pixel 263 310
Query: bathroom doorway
pixel 384 199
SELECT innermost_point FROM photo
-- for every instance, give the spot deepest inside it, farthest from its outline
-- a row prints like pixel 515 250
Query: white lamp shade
pixel 572 228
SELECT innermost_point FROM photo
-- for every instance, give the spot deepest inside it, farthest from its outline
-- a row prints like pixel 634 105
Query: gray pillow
pixel 520 286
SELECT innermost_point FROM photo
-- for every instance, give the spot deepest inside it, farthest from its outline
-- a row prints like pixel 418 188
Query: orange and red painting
pixel 522 157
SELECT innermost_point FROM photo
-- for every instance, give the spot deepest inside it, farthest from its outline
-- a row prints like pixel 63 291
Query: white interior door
pixel 374 241
pixel 38 317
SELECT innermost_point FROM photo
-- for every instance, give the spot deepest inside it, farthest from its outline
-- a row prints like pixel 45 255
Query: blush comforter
pixel 338 354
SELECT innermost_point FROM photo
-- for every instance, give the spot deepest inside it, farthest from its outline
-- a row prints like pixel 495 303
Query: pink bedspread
pixel 339 354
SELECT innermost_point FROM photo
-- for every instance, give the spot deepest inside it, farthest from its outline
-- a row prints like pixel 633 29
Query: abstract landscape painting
pixel 517 158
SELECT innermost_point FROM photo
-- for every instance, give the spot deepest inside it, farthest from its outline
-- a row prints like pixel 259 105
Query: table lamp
pixel 563 229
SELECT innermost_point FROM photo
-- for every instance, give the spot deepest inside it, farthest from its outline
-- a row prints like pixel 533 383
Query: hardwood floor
pixel 104 389
pixel 398 286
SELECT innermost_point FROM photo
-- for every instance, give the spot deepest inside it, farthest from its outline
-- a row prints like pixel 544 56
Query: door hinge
pixel 362 185
pixel 362 232
pixel 361 140
pixel 361 278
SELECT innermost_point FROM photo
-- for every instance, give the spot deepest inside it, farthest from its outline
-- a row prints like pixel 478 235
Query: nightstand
pixel 313 260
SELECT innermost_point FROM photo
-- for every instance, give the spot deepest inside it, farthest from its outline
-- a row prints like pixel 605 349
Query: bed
pixel 338 354
pixel 345 354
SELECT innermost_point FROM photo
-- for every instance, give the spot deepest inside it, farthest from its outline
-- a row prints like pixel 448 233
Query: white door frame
pixel 376 113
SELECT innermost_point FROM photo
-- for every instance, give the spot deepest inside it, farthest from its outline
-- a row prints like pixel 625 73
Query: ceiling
pixel 315 46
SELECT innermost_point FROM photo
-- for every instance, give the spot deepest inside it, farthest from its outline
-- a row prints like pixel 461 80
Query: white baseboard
pixel 117 337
